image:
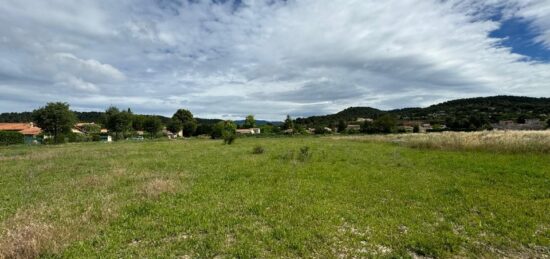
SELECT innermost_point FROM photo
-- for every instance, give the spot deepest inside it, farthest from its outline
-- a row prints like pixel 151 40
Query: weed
pixel 258 150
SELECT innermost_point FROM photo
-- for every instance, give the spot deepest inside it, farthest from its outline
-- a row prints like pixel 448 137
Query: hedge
pixel 11 138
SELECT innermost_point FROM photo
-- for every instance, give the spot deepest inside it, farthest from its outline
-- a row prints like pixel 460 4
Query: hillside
pixel 485 109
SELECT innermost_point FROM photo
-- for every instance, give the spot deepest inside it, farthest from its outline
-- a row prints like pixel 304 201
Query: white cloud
pixel 264 57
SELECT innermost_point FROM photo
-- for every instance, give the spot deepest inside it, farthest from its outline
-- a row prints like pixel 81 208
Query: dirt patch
pixel 154 188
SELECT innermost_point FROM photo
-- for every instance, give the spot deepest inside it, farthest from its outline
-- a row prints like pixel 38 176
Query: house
pixel 105 138
pixel 362 120
pixel 353 128
pixel 251 131
pixel 30 131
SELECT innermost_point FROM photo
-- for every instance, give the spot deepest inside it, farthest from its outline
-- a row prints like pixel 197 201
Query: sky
pixel 227 59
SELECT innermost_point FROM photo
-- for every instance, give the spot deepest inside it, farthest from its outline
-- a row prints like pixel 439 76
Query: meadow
pixel 385 196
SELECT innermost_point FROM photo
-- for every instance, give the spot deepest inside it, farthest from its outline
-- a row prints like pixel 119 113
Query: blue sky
pixel 227 59
pixel 520 35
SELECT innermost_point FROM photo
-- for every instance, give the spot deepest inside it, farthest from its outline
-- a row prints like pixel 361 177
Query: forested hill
pixel 490 109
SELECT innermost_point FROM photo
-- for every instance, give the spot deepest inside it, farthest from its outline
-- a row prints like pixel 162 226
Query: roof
pixel 14 126
pixel 23 128
pixel 31 131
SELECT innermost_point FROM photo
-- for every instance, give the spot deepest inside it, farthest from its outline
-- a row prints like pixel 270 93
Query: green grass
pixel 200 198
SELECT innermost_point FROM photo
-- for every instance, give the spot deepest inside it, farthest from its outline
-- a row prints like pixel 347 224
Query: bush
pixel 304 154
pixel 258 150
pixel 11 138
pixel 229 138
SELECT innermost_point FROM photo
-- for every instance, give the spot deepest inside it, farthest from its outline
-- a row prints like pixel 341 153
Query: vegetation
pixel 493 141
pixel 348 198
pixel 11 138
pixel 459 115
pixel 118 122
pixel 223 129
pixel 153 126
pixel 249 122
pixel 55 119
pixel 189 124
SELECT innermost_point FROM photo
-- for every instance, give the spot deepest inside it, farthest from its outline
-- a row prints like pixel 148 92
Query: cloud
pixel 269 58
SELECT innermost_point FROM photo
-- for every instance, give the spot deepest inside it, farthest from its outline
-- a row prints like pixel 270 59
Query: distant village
pixel 33 134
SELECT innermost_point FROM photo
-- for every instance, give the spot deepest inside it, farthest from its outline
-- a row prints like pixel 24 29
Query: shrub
pixel 258 150
pixel 11 138
pixel 304 154
pixel 229 138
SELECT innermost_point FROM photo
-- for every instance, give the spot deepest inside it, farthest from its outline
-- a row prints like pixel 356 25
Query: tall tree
pixel 174 126
pixel 342 126
pixel 189 124
pixel 249 122
pixel 119 122
pixel 55 119
pixel 289 123
pixel 152 125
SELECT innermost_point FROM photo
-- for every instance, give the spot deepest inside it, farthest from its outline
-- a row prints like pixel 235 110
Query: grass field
pixel 341 198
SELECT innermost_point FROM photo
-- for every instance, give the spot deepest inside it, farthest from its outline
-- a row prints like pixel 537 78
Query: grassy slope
pixel 200 198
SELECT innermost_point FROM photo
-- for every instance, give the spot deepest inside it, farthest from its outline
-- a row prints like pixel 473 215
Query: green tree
pixel 138 121
pixel 249 122
pixel 386 124
pixel 152 125
pixel 548 123
pixel 189 128
pixel 342 126
pixel 223 128
pixel 118 122
pixel 55 119
pixel 91 128
pixel 289 123
pixel 416 128
pixel 189 124
pixel 174 126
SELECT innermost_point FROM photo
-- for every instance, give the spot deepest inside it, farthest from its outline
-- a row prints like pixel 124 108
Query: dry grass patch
pixel 154 188
pixel 26 236
pixel 495 141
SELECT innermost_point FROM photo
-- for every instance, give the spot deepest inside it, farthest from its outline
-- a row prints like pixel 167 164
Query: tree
pixel 386 124
pixel 118 122
pixel 189 128
pixel 249 122
pixel 289 123
pixel 342 126
pixel 416 128
pixel 174 126
pixel 55 119
pixel 91 128
pixel 548 123
pixel 223 128
pixel 152 125
pixel 189 124
pixel 138 121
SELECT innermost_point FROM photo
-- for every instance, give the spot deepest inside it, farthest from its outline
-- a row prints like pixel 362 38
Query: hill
pixel 484 109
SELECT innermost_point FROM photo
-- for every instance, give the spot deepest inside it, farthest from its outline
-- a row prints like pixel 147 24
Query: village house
pixel 363 120
pixel 251 131
pixel 28 130
pixel 353 128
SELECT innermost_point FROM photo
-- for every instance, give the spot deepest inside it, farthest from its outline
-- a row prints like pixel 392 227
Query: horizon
pixel 227 59
pixel 295 117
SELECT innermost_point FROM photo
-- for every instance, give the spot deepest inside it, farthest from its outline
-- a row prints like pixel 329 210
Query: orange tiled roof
pixel 31 131
pixel 23 128
pixel 14 126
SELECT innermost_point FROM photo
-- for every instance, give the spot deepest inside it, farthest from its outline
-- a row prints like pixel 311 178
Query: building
pixel 362 120
pixel 251 131
pixel 28 130
pixel 353 128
